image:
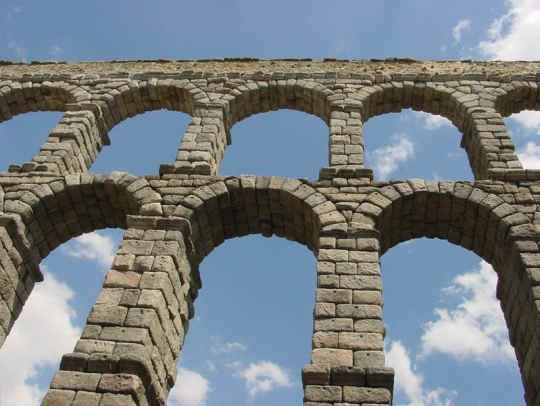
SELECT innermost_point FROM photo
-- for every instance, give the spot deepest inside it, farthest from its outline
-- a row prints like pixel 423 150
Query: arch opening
pixel 524 128
pixel 23 135
pixel 139 145
pixel 281 143
pixel 55 314
pixel 442 316
pixel 414 145
pixel 253 322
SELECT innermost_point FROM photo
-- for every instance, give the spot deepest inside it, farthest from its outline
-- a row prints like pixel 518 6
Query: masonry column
pixel 73 145
pixel 128 351
pixel 489 146
pixel 346 142
pixel 347 364
pixel 203 144
pixel 19 270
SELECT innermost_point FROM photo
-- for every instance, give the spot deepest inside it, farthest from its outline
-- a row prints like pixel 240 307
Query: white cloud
pixel 528 119
pixel 225 347
pixel 475 329
pixel 48 318
pixel 432 122
pixel 514 36
pixel 191 389
pixel 459 27
pixel 388 158
pixel 265 376
pixel 410 382
pixel 93 246
pixel 530 155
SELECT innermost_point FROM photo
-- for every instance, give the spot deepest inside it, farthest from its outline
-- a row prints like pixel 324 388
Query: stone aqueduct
pixel 128 350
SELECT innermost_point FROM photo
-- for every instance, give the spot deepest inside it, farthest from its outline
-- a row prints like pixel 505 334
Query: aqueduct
pixel 128 351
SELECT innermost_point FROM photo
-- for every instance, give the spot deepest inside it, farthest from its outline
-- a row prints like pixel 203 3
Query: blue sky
pixel 252 329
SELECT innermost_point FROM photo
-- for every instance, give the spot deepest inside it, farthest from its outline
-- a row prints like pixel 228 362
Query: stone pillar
pixel 73 145
pixel 203 144
pixel 347 364
pixel 346 145
pixel 489 147
pixel 128 351
pixel 19 271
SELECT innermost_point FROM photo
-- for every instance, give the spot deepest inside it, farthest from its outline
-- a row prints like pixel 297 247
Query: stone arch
pixel 17 97
pixel 127 98
pixel 37 218
pixel 464 214
pixel 429 97
pixel 253 97
pixel 517 96
pixel 251 204
pixel 467 108
pixel 66 147
pixel 510 98
pixel 58 209
pixel 202 145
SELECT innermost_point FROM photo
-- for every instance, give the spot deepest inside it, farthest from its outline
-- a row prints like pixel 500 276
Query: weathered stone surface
pixel 331 357
pixel 178 217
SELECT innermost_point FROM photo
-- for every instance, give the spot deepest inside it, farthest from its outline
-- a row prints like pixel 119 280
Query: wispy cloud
pixel 529 120
pixel 13 12
pixel 475 329
pixel 19 50
pixel 92 246
pixel 514 36
pixel 388 158
pixel 48 315
pixel 459 28
pixel 191 389
pixel 265 376
pixel 432 122
pixel 410 382
pixel 221 347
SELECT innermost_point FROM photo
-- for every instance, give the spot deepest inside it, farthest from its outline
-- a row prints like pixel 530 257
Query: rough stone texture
pixel 129 349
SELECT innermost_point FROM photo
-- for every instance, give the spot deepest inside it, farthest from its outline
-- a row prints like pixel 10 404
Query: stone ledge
pixel 348 376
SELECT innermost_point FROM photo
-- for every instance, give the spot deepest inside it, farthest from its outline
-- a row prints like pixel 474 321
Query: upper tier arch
pixel 17 97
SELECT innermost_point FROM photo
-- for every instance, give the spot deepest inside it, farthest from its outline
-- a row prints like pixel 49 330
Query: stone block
pixel 325 339
pixel 86 399
pixel 333 295
pixel 359 311
pixel 332 357
pixel 122 279
pixel 315 375
pixel 361 341
pixel 107 315
pixel 333 324
pixel 56 397
pixel 350 376
pixel 319 393
pixel 325 310
pixel 75 381
pixel 366 395
pixel 360 282
pixel 368 359
pixel 110 399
